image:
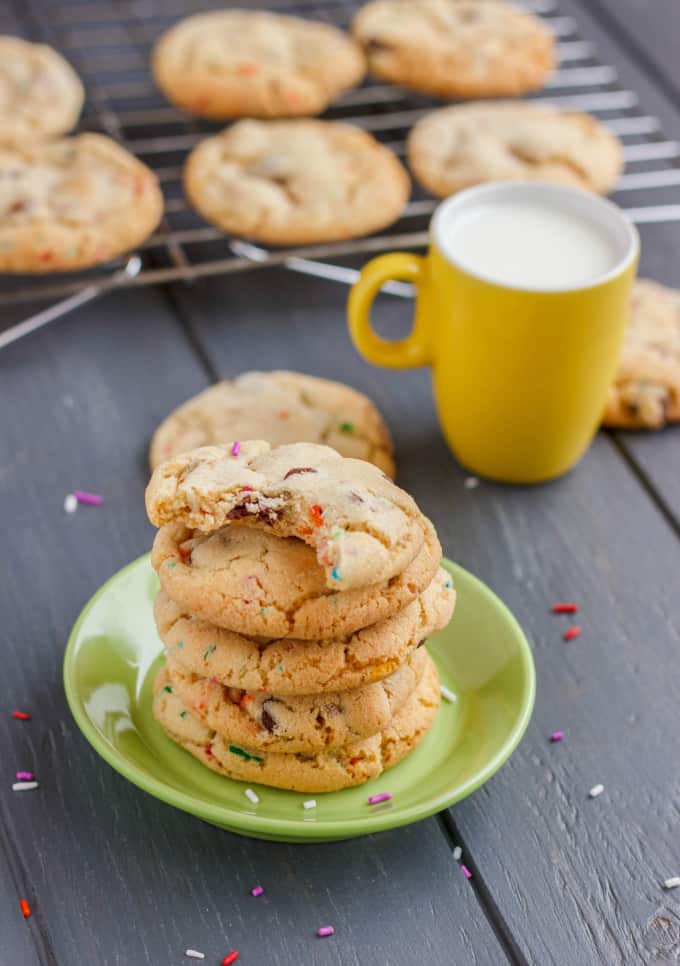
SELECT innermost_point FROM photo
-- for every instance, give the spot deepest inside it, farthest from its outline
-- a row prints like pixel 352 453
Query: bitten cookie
pixel 281 407
pixel 362 526
pixel 646 390
pixel 258 584
pixel 296 724
pixel 72 203
pixel 328 771
pixel 455 48
pixel 246 63
pixel 40 93
pixel 467 144
pixel 296 182
pixel 294 666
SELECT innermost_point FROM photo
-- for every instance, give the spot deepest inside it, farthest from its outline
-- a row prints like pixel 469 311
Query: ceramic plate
pixel 483 657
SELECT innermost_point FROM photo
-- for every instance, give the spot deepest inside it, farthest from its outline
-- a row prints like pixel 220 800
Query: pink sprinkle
pixel 82 496
pixel 25 776
pixel 256 891
pixel 466 872
pixel 571 633
pixel 325 931
pixel 557 736
pixel 235 448
pixel 382 797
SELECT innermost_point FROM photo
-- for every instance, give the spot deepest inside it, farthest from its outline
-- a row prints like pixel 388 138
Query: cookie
pixel 282 407
pixel 296 182
pixel 363 527
pixel 455 48
pixel 328 771
pixel 72 203
pixel 646 390
pixel 303 723
pixel 40 93
pixel 242 63
pixel 467 144
pixel 296 666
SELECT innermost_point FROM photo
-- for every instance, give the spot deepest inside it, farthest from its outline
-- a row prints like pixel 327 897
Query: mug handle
pixel 404 353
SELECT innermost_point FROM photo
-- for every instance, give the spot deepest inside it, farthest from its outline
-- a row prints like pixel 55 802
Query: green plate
pixel 483 657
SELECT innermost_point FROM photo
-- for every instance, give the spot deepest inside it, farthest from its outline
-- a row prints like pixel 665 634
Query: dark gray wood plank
pixel 575 880
pixel 117 877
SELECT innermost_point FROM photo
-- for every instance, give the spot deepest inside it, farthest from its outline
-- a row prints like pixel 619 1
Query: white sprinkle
pixel 672 883
pixel 457 853
pixel 194 954
pixel 596 790
pixel 310 804
pixel 251 796
pixel 70 503
pixel 470 482
pixel 449 695
pixel 24 786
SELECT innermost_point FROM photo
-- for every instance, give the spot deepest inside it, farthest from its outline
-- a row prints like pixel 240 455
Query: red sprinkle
pixel 353 761
pixel 571 633
pixel 230 958
pixel 46 256
pixel 565 608
pixel 21 715
pixel 25 909
pixel 316 513
pixel 246 489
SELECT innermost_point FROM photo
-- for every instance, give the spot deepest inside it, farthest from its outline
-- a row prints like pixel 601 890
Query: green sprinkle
pixel 334 600
pixel 171 564
pixel 180 645
pixel 337 533
pixel 210 649
pixel 346 427
pixel 183 714
pixel 263 612
pixel 235 750
pixel 168 689
pixel 448 585
pixel 279 667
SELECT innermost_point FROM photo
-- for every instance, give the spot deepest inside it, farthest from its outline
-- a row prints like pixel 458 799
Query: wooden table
pixel 115 877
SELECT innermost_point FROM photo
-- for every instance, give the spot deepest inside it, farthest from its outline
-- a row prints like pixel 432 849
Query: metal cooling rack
pixel 109 42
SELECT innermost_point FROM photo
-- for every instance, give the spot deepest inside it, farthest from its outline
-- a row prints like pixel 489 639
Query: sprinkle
pixel 210 649
pixel 230 958
pixel 672 883
pixel 21 715
pixel 244 700
pixel 180 645
pixel 168 689
pixel 346 427
pixel 316 514
pixel 448 584
pixel 557 736
pixel 183 714
pixel 449 695
pixel 382 797
pixel 251 795
pixel 279 667
pixel 595 791
pixel 335 573
pixel 466 872
pixel 256 890
pixel 565 608
pixel 337 533
pixel 353 761
pixel 25 909
pixel 571 633
pixel 235 750
pixel 263 612
pixel 235 448
pixel 457 853
pixel 24 786
pixel 194 954
pixel 70 503
pixel 311 803
pixel 247 68
pixel 470 482
pixel 93 499
pixel 246 489
pixel 325 931
pixel 171 564
pixel 25 776
pixel 282 414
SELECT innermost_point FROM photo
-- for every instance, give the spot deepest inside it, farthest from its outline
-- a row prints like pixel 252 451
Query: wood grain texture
pixel 575 880
pixel 115 876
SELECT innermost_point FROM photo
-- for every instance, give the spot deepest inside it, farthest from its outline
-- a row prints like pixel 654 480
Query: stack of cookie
pixel 297 587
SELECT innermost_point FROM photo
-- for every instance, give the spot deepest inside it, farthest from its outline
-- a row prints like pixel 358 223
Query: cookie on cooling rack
pixel 467 144
pixel 40 93
pixel 247 63
pixel 72 203
pixel 296 182
pixel 455 48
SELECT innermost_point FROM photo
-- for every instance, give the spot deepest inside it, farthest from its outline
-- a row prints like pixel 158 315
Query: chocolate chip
pixel 17 207
pixel 268 720
pixel 300 469
pixel 420 643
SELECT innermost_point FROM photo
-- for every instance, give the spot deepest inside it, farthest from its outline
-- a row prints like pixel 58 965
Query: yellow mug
pixel 521 362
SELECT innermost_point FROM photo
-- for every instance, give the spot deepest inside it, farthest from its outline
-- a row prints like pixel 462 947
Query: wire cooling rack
pixel 109 42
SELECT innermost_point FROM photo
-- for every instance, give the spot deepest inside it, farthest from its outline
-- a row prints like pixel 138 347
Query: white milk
pixel 530 245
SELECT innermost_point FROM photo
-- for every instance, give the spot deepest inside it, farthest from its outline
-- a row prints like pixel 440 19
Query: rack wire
pixel 109 43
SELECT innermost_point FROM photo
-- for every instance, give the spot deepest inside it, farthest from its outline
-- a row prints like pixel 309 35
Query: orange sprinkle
pixel 245 699
pixel 316 513
pixel 305 531
pixel 247 69
pixel 282 414
pixel 25 909
pixel 46 256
